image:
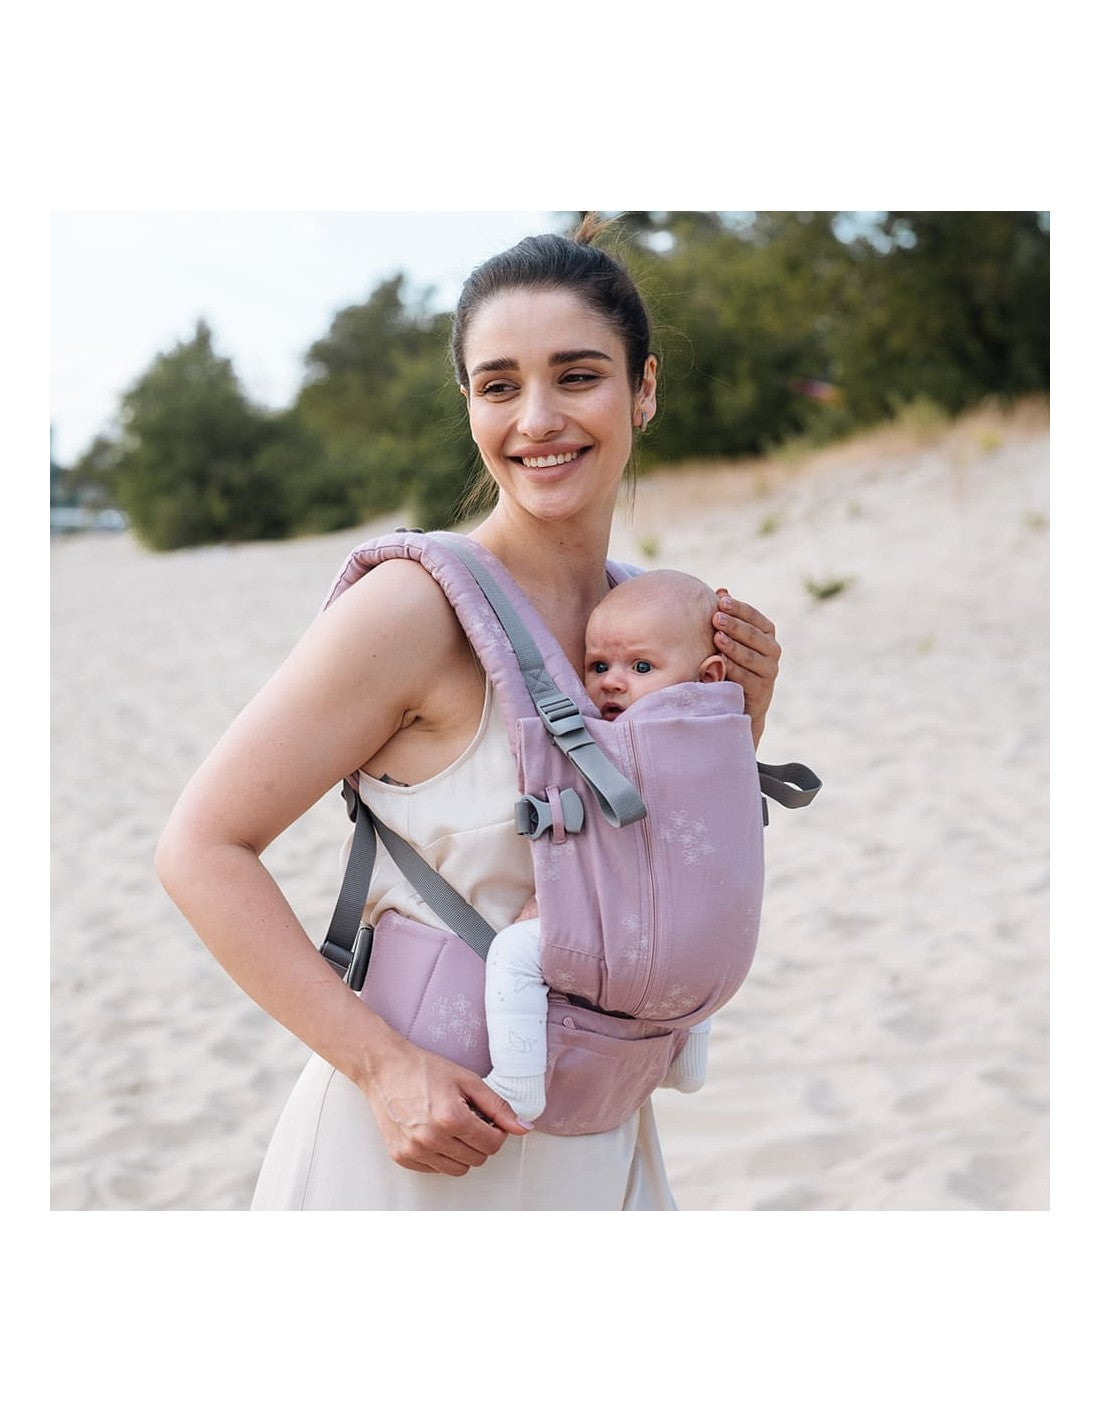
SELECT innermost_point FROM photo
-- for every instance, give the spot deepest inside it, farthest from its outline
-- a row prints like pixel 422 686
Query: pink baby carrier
pixel 647 840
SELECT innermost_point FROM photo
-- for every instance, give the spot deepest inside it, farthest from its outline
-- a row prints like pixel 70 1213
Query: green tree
pixel 185 466
pixel 953 306
pixel 881 307
pixel 313 483
pixel 381 399
pixel 744 312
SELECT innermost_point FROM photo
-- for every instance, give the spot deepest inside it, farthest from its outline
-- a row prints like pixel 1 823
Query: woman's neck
pixel 560 566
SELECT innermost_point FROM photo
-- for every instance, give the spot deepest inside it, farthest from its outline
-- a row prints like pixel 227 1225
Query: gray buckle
pixel 562 718
pixel 534 816
pixel 352 966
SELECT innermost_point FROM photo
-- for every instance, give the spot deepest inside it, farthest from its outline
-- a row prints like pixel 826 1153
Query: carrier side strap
pixel 459 916
pixel 347 944
pixel 617 797
pixel 792 785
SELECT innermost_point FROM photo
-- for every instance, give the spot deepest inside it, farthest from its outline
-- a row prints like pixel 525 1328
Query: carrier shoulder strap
pixel 618 799
pixel 494 621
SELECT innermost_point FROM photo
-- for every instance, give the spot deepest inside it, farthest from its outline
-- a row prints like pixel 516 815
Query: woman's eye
pixel 497 387
pixel 642 667
pixel 579 377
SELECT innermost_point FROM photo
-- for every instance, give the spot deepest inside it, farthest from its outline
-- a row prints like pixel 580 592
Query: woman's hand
pixel 436 1117
pixel 746 640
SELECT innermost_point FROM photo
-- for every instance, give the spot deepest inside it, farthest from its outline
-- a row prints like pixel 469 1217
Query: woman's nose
pixel 540 415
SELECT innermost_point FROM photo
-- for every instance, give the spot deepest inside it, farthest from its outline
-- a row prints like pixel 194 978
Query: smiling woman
pixel 555 266
pixel 551 352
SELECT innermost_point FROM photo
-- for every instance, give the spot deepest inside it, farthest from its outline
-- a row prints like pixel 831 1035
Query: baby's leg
pixel 515 1012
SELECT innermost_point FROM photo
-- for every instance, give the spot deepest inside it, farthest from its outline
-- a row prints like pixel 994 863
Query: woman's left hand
pixel 746 640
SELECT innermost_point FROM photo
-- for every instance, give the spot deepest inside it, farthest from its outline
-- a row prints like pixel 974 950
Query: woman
pixel 551 351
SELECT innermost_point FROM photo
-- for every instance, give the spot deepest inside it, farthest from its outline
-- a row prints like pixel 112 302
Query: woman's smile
pixel 547 461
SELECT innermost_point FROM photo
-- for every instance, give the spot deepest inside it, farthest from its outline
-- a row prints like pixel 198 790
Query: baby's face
pixel 634 650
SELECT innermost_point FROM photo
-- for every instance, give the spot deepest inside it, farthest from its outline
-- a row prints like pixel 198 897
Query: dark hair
pixel 551 262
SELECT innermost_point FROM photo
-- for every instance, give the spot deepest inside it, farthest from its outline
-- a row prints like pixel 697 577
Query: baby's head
pixel 650 632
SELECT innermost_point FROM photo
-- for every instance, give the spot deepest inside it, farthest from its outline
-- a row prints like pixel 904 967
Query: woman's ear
pixel 713 669
pixel 645 401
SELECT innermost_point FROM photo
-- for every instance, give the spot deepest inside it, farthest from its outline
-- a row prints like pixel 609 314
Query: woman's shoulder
pixel 398 600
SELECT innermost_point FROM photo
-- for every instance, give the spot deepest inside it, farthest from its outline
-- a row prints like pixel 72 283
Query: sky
pixel 126 286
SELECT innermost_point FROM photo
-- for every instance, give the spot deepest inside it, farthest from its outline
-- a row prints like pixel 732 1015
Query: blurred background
pixel 223 377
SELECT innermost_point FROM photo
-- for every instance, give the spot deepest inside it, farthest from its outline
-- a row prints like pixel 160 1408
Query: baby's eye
pixel 642 667
pixel 599 667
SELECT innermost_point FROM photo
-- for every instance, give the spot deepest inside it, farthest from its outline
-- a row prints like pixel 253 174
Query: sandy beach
pixel 889 1050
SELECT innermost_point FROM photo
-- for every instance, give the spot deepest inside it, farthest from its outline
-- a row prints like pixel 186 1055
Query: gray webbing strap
pixel 348 913
pixel 617 797
pixel 792 785
pixel 459 916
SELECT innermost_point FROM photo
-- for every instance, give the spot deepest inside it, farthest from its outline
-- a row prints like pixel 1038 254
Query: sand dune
pixel 889 1050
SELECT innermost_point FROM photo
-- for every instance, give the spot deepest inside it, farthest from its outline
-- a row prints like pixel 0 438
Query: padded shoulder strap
pixel 618 799
pixel 461 590
pixel 524 662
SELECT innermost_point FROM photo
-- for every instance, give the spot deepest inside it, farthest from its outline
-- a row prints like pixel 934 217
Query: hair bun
pixel 592 226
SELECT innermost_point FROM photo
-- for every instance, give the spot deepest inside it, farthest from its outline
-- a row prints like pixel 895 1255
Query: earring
pixel 645 421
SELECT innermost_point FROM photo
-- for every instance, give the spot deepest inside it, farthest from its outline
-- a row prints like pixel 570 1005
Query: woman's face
pixel 551 406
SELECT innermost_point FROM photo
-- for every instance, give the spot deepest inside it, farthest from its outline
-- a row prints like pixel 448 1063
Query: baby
pixel 650 632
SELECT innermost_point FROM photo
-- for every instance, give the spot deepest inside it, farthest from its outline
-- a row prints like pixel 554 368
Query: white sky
pixel 125 286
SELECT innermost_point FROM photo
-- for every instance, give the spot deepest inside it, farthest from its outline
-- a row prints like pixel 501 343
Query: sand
pixel 889 1049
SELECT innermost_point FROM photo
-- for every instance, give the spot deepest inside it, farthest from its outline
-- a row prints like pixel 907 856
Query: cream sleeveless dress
pixel 326 1152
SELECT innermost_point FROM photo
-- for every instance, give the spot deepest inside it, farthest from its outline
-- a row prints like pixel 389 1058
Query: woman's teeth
pixel 546 461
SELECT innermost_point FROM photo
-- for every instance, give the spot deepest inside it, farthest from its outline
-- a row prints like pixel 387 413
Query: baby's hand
pixel 529 910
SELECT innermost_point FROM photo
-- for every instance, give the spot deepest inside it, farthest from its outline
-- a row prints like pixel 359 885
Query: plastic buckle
pixel 562 718
pixel 336 956
pixel 352 966
pixel 360 957
pixel 534 816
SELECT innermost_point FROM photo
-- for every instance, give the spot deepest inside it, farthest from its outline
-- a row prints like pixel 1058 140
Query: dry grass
pixel 723 484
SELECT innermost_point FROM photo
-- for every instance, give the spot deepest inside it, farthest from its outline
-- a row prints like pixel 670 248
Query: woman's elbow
pixel 170 859
pixel 178 855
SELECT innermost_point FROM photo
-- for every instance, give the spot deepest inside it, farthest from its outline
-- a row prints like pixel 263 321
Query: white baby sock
pixel 689 1070
pixel 525 1094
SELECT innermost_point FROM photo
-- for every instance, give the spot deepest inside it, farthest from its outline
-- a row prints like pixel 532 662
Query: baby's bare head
pixel 650 632
pixel 679 606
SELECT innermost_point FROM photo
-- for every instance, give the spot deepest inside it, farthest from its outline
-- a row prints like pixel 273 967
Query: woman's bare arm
pixel 364 670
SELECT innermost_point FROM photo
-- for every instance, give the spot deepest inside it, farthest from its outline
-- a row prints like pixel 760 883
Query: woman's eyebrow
pixel 501 363
pixel 568 357
pixel 558 358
